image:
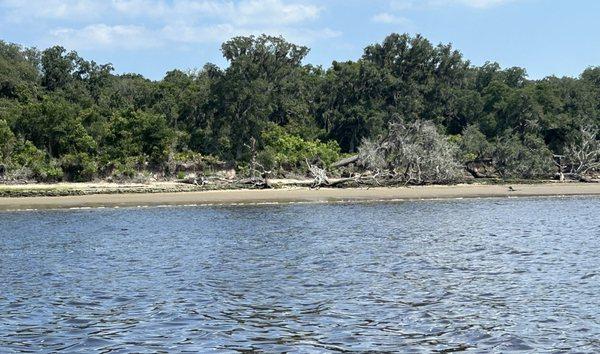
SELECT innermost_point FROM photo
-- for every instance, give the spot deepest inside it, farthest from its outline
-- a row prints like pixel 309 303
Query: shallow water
pixel 475 275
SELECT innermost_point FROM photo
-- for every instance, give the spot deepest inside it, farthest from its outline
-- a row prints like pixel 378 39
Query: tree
pixel 413 153
pixel 526 157
pixel 474 145
pixel 583 156
pixel 18 71
pixel 259 86
pixel 350 108
pixel 139 134
pixel 405 102
pixel 54 125
pixel 58 66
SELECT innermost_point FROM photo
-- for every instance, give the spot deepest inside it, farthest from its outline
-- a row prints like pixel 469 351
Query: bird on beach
pixel 511 189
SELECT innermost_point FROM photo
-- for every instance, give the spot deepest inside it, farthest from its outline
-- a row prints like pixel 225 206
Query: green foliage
pixel 474 145
pixel 263 83
pixel 54 124
pixel 198 160
pixel 527 158
pixel 59 112
pixel 78 167
pixel 7 140
pixel 125 169
pixel 18 71
pixel 28 162
pixel 139 134
pixel 289 152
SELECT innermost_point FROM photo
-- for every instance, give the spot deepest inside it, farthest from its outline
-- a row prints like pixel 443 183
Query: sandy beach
pixel 297 195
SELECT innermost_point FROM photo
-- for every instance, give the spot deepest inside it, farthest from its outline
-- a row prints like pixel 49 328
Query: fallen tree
pixel 346 161
pixel 583 156
pixel 412 153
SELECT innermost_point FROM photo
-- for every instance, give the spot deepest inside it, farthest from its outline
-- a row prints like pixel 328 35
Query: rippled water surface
pixel 474 275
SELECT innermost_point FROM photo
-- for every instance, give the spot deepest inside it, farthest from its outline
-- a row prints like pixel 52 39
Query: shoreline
pixel 291 195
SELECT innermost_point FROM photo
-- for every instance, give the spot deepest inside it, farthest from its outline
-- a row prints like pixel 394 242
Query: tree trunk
pixel 346 161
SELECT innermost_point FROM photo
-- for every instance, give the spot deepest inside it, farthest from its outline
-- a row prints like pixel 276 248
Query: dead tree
pixel 560 165
pixel 345 162
pixel 411 153
pixel 584 156
pixel 259 177
pixel 319 175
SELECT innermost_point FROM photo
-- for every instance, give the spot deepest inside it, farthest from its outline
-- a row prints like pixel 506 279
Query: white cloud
pixel 390 19
pixel 399 5
pixel 30 10
pixel 481 4
pixel 134 24
pixel 219 33
pixel 100 36
pixel 273 12
pixel 240 12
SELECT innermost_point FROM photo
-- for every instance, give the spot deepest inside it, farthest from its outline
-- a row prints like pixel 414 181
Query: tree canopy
pixel 64 117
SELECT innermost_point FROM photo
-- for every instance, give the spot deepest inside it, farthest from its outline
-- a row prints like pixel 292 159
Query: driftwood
pixel 347 161
pixel 319 175
pixel 193 179
pixel 262 182
pixel 474 171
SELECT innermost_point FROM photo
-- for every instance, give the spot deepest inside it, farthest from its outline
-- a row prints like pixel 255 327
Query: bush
pixel 190 161
pixel 136 133
pixel 473 145
pixel 290 152
pixel 7 140
pixel 526 158
pixel 29 163
pixel 79 167
pixel 129 168
pixel 49 172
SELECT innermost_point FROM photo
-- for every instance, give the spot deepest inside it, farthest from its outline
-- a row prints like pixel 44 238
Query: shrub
pixel 193 161
pixel 7 141
pixel 136 133
pixel 79 167
pixel 289 152
pixel 128 168
pixel 473 145
pixel 529 157
pixel 29 163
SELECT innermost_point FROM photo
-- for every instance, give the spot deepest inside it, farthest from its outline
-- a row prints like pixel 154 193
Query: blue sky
pixel 547 37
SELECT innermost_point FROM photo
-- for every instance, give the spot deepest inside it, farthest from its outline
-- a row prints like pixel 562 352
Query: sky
pixel 151 37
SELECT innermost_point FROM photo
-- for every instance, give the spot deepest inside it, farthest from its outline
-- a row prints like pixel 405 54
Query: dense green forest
pixel 404 103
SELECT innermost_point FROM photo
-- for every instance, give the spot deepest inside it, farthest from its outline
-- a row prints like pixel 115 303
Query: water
pixel 475 275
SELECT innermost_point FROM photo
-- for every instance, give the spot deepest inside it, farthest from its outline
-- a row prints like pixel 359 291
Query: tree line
pixel 405 106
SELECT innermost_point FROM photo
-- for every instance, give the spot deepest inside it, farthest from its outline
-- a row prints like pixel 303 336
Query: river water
pixel 476 275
